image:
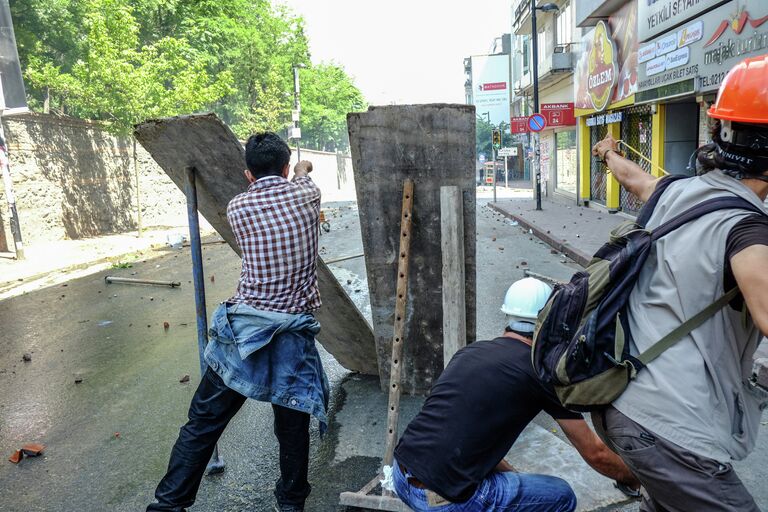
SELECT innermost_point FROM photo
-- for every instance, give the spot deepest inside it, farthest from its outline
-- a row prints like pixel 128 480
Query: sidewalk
pixel 574 230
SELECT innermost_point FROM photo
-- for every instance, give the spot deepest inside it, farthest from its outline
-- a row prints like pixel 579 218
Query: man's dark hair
pixel 266 154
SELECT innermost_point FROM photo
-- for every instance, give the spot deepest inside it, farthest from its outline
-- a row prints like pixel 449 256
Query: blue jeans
pixel 499 492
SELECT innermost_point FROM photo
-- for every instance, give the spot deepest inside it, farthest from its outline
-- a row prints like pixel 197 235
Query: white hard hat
pixel 523 301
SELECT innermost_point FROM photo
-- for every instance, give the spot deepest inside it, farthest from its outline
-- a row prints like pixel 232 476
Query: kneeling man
pixel 451 456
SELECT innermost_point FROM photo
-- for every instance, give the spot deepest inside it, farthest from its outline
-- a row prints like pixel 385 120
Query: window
pixel 526 55
pixel 542 40
pixel 564 25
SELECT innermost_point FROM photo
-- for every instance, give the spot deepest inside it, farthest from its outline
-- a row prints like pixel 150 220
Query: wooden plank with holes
pixel 387 500
pixel 401 300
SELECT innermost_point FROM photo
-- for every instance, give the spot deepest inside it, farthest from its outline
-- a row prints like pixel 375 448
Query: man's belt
pixel 412 479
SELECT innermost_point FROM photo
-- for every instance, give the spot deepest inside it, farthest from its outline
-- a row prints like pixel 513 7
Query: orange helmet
pixel 743 95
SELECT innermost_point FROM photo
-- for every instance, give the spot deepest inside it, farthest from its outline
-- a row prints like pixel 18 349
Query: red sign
pixel 558 114
pixel 518 124
pixel 495 86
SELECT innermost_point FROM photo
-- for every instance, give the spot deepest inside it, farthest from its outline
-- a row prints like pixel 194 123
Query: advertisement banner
pixel 558 114
pixel 14 99
pixel 606 72
pixel 695 57
pixel 658 16
pixel 490 80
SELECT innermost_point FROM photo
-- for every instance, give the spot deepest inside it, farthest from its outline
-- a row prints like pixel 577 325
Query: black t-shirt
pixel 484 398
pixel 751 230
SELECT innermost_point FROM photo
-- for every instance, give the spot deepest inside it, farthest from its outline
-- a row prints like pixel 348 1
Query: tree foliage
pixel 122 61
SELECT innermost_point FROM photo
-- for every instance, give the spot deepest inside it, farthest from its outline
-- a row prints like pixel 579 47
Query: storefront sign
pixel 704 50
pixel 606 73
pixel 518 124
pixel 558 114
pixel 658 16
pixel 614 117
pixel 731 33
pixel 603 69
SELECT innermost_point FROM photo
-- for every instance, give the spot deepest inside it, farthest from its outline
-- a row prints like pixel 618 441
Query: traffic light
pixel 496 138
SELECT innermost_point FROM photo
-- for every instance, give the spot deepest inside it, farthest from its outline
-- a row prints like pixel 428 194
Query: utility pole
pixel 5 162
pixel 296 111
pixel 536 154
pixel 495 145
pixel 548 7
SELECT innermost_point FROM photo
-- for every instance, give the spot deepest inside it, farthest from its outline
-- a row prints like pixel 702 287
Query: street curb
pixel 575 254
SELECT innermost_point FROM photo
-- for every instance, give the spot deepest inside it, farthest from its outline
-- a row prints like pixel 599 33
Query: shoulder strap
pixel 661 186
pixel 701 209
pixel 686 327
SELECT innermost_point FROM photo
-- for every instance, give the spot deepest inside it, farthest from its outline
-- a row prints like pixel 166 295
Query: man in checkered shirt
pixel 262 340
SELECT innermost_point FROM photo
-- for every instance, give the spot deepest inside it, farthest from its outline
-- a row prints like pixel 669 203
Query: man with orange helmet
pixel 693 409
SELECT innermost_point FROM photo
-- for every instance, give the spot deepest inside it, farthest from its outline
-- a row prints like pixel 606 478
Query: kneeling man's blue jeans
pixel 499 492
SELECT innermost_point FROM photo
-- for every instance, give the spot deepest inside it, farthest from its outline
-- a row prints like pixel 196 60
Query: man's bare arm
pixel 631 176
pixel 749 269
pixel 596 453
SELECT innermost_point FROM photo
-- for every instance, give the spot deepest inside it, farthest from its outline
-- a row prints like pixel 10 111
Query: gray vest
pixel 696 393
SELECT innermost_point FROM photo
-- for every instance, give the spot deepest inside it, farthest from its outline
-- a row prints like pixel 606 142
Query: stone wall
pixel 74 180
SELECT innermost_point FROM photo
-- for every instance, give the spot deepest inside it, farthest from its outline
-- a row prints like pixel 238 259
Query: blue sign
pixel 537 122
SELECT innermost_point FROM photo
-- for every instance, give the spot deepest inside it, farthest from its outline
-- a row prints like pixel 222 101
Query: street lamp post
pixel 296 110
pixel 549 7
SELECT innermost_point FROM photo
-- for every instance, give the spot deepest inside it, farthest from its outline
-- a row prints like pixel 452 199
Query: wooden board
pixel 204 142
pixel 434 145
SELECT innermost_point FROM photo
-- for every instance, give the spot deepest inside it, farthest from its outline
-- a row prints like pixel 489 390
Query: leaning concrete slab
pixel 434 145
pixel 205 143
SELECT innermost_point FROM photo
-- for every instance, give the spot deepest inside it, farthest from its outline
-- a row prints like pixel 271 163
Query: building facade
pixel 646 74
pixel 558 38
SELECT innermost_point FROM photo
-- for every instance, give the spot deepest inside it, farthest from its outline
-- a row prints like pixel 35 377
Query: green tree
pixel 115 78
pixel 121 61
pixel 327 95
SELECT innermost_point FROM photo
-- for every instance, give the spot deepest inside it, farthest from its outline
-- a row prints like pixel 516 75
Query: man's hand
pixel 302 168
pixel 631 176
pixel 607 144
pixel 596 453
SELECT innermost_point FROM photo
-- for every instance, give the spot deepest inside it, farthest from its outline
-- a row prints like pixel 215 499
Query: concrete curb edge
pixel 575 254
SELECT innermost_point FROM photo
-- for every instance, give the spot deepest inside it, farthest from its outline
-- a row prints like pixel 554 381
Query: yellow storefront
pixel 605 84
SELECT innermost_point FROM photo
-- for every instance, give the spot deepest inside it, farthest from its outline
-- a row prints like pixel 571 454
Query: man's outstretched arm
pixel 631 176
pixel 596 453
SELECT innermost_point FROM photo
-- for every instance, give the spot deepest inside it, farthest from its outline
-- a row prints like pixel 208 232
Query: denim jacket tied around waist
pixel 270 357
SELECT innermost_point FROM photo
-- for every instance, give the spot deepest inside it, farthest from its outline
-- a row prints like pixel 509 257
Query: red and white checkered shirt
pixel 276 226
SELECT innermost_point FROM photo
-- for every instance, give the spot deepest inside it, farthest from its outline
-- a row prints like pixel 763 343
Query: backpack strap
pixel 661 186
pixel 701 209
pixel 686 327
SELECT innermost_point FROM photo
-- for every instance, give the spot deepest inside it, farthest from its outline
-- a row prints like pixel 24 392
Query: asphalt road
pixel 109 436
